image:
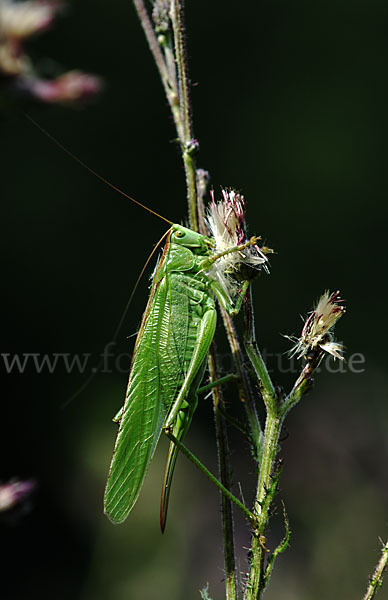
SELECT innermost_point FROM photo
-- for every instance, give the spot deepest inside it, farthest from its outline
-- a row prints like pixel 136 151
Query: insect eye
pixel 179 234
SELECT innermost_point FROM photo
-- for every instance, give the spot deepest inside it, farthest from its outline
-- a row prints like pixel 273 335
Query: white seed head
pixel 226 223
pixel 317 330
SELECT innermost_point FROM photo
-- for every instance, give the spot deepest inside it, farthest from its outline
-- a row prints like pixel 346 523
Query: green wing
pixel 161 354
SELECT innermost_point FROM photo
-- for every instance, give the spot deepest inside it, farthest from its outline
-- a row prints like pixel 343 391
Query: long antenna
pixel 96 370
pixel 100 177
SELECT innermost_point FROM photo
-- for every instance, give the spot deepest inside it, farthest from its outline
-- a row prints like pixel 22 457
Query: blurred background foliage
pixel 290 108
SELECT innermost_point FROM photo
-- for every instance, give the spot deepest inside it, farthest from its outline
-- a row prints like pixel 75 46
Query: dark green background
pixel 290 106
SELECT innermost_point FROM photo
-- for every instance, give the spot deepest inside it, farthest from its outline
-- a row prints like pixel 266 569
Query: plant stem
pixel 267 482
pixel 168 85
pixel 255 583
pixel 189 145
pixel 202 179
pixel 245 391
pixel 266 386
pixel 225 477
pixel 173 74
pixel 264 490
pixel 220 426
pixel 302 385
pixel 177 20
pixel 377 578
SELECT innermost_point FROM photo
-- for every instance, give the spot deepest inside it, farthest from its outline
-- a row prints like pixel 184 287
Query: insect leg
pixel 201 349
pixel 224 300
pixel 209 386
pixel 179 430
pixel 117 417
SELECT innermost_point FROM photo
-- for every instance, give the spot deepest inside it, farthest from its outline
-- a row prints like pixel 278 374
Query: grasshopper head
pixel 199 244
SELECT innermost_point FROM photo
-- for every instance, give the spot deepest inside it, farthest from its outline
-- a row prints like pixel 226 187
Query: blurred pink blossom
pixel 19 21
pixel 14 492
pixel 73 86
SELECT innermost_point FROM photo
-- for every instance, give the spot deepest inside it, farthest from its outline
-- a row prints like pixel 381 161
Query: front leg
pixel 224 300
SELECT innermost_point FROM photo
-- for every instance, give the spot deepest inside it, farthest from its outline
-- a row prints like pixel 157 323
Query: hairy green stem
pixel 302 385
pixel 256 580
pixel 189 146
pixel 255 583
pixel 177 20
pixel 191 188
pixel 376 580
pixel 171 64
pixel 266 386
pixel 169 85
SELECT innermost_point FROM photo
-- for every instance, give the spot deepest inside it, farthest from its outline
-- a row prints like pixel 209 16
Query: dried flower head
pixel 226 223
pixel 317 330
